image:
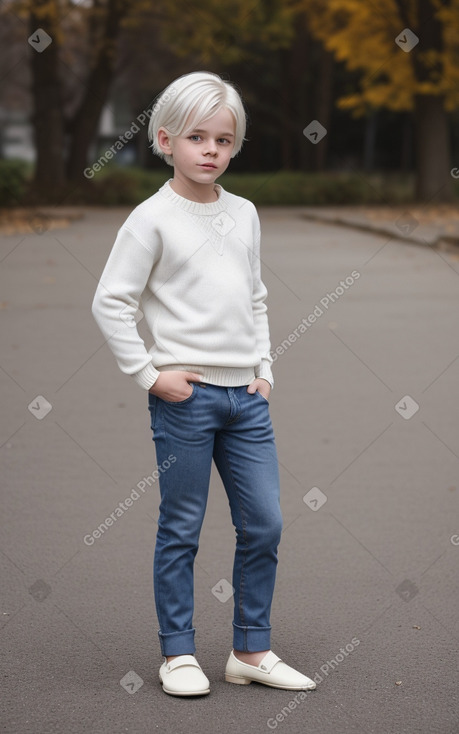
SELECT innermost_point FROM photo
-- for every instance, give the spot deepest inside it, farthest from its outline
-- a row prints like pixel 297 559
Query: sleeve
pixel 116 303
pixel 260 312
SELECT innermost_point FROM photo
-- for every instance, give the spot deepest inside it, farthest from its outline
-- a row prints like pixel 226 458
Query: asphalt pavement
pixel 364 328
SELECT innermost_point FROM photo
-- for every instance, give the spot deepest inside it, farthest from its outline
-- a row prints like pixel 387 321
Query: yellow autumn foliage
pixel 362 35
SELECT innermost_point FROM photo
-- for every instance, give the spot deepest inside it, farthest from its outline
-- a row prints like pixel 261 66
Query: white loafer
pixel 271 672
pixel 183 676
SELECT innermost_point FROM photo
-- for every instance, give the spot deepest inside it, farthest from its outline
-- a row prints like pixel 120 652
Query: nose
pixel 211 148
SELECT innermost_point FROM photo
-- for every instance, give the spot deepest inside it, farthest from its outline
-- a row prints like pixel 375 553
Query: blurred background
pixel 353 158
pixel 377 82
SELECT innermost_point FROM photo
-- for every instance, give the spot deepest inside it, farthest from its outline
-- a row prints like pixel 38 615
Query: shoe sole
pixel 204 692
pixel 246 681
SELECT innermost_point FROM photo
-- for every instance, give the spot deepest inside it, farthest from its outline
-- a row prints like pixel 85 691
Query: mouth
pixel 208 166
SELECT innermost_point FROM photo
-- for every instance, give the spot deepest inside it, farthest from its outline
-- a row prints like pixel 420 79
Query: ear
pixel 164 141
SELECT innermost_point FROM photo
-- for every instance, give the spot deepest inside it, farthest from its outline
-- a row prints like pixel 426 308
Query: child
pixel 190 256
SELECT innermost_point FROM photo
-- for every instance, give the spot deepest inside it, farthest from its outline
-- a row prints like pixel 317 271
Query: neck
pixel 201 193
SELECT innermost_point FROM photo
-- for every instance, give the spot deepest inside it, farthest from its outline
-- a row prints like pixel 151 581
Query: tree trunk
pixel 285 111
pixel 369 141
pixel 433 155
pixel 47 118
pixel 294 96
pixel 324 104
pixel 85 123
pixel 406 151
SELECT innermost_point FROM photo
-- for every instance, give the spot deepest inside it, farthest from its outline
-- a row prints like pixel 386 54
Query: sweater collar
pixel 194 207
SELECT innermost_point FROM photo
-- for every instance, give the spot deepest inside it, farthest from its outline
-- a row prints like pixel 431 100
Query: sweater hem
pixel 222 376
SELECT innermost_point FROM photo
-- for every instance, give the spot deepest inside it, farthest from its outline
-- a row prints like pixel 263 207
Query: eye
pixel 224 140
pixel 195 138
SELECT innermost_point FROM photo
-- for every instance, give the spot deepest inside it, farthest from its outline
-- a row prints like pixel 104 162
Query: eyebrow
pixel 226 135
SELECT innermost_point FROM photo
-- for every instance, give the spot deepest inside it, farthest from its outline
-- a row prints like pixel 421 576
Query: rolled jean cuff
pixel 177 643
pixel 251 639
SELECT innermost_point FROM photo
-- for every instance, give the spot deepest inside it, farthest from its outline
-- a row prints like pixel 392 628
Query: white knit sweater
pixel 193 271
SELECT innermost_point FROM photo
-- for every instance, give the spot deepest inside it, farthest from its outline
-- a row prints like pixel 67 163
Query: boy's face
pixel 203 154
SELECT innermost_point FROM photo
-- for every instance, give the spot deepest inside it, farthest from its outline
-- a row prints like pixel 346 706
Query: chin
pixel 209 178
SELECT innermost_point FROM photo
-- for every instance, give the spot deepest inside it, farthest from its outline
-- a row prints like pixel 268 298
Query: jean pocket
pixel 261 396
pixel 152 409
pixel 182 402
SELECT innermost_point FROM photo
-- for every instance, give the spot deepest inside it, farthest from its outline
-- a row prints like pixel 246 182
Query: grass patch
pixel 14 180
pixel 117 186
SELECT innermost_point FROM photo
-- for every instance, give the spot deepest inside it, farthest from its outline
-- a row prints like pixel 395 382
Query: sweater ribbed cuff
pixel 264 370
pixel 147 376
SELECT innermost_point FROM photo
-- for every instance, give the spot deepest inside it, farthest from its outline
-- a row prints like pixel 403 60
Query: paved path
pixel 424 224
pixel 365 413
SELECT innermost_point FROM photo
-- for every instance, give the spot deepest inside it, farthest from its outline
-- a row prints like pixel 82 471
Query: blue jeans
pixel 234 428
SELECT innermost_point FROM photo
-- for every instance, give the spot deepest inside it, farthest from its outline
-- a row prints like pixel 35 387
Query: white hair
pixel 193 99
